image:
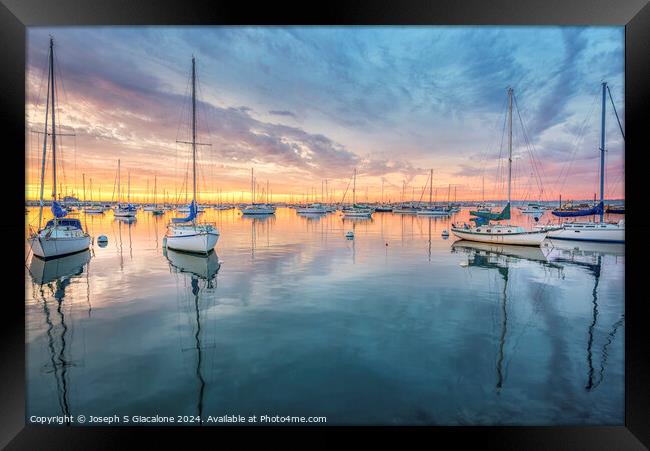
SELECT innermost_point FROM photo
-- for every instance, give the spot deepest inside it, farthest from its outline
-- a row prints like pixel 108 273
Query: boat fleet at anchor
pixel 64 235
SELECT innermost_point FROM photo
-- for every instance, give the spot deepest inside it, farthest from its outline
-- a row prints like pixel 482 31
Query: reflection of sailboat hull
pixel 203 266
pixel 590 247
pixel 523 252
pixel 45 271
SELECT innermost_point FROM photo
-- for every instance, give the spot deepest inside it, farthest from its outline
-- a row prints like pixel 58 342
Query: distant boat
pixel 356 211
pixel 60 236
pixel 533 208
pixel 256 208
pixel 590 230
pixel 157 210
pixel 615 209
pixel 185 234
pixel 123 211
pixel 500 233
pixel 432 210
pixel 313 209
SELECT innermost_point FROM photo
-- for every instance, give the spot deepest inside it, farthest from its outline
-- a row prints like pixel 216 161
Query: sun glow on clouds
pixel 304 104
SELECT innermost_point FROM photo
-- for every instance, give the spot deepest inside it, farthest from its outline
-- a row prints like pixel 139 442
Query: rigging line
pixel 500 168
pixel 564 173
pixel 614 107
pixel 536 165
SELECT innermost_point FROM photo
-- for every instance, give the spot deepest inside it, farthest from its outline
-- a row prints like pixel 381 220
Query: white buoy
pixel 102 239
pixel 349 234
pixel 445 233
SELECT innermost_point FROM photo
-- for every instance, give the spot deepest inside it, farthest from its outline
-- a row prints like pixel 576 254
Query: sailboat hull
pixel 427 212
pixel 57 247
pixel 518 238
pixel 198 242
pixel 605 233
pixel 124 213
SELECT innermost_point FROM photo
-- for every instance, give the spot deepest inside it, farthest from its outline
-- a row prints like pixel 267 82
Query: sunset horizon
pixel 302 105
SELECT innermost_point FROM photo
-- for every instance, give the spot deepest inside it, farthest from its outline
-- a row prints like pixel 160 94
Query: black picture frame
pixel 16 15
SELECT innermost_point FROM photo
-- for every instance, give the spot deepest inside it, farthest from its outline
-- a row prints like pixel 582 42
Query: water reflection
pixel 589 257
pixel 306 321
pixel 201 272
pixel 500 258
pixel 52 278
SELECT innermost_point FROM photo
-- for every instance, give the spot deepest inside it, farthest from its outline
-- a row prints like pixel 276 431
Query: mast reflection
pixel 201 271
pixel 55 276
pixel 499 257
pixel 589 256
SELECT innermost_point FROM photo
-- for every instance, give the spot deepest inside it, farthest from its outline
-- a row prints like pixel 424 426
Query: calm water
pixel 288 317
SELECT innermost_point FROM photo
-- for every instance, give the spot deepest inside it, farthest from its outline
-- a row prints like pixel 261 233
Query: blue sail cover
pixel 190 217
pixel 598 209
pixel 57 210
pixel 505 214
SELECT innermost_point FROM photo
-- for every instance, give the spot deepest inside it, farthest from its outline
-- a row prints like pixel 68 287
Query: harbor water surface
pixel 288 317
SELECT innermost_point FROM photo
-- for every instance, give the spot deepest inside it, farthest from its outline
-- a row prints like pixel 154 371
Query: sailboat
pixel 156 210
pixel 432 210
pixel 500 233
pixel 185 234
pixel 256 208
pixel 93 209
pixel 590 230
pixel 60 236
pixel 123 211
pixel 356 211
pixel 406 207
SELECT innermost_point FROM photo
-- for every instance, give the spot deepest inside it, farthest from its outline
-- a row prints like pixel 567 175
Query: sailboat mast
pixel 83 181
pixel 354 187
pixel 155 197
pixel 47 106
pixel 193 130
pixel 430 187
pixel 252 187
pixel 128 189
pixel 119 192
pixel 509 142
pixel 53 120
pixel 602 152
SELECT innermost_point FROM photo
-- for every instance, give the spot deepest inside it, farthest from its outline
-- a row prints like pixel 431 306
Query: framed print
pixel 402 217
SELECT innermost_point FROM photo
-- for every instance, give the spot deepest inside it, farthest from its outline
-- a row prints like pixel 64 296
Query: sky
pixel 302 105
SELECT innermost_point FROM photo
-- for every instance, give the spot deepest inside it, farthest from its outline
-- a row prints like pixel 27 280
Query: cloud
pixel 283 113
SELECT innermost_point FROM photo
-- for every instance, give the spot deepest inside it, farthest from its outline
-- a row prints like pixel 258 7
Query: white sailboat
pixel 312 209
pixel 432 210
pixel 60 236
pixel 500 233
pixel 256 208
pixel 156 210
pixel 589 230
pixel 123 211
pixel 185 234
pixel 356 211
pixel 92 208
